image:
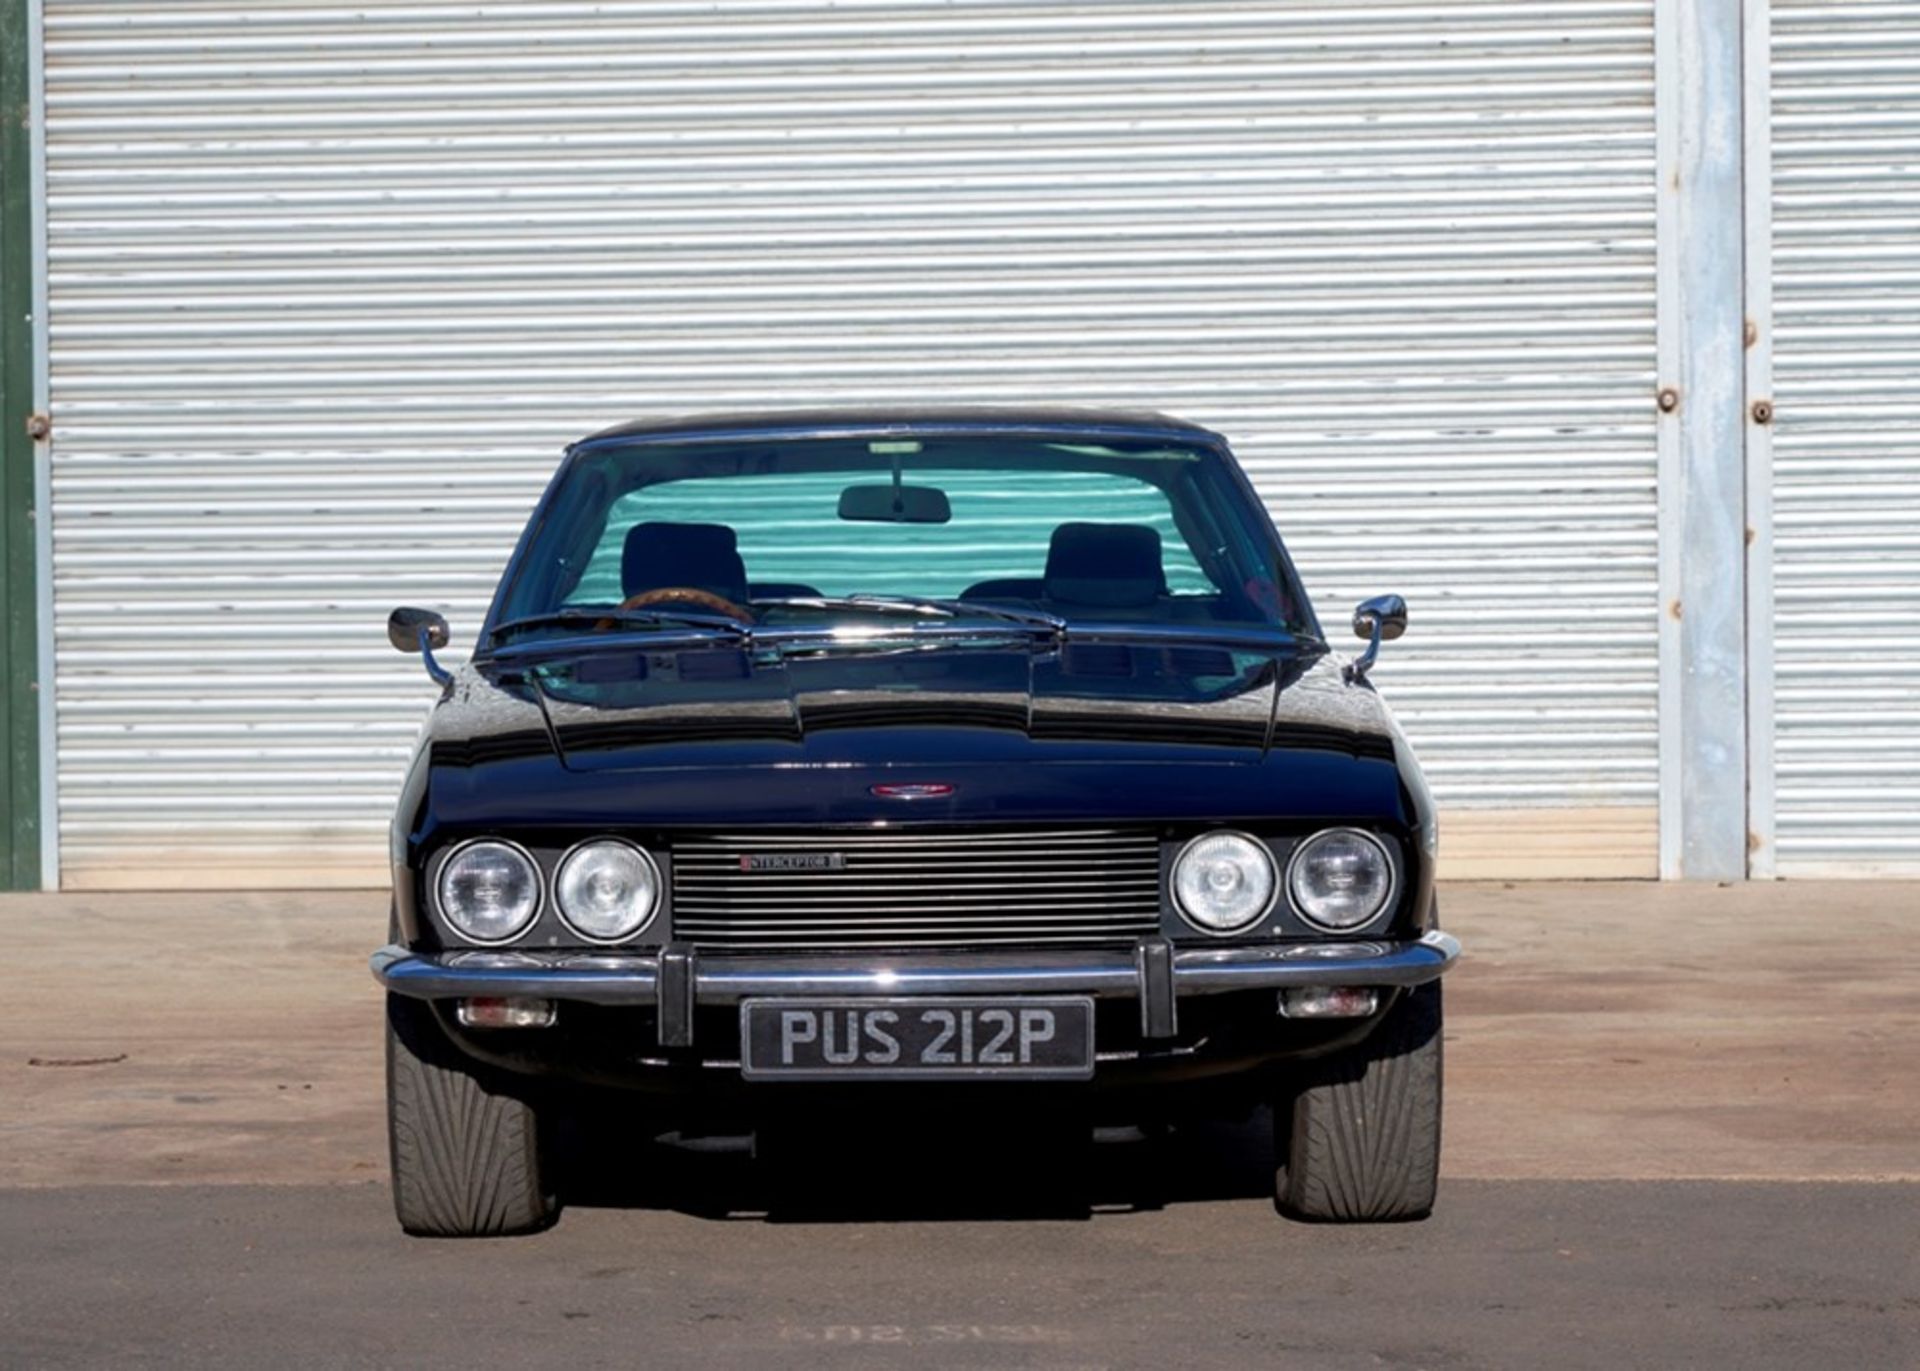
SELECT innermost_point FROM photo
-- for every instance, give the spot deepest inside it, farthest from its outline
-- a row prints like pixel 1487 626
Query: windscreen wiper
pixel 619 618
pixel 926 607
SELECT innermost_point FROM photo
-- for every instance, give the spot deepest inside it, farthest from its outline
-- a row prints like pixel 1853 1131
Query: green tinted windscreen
pixel 789 530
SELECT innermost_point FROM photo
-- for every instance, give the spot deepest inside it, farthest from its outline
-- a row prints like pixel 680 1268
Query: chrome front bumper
pixel 673 981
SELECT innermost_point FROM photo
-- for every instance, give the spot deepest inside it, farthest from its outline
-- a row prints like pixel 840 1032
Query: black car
pixel 885 755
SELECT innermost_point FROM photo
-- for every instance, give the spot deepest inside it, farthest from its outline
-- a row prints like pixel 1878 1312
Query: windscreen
pixel 800 529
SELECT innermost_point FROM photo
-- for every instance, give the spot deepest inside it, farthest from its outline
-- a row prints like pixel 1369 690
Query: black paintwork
pixel 1282 744
pixel 727 425
pixel 1181 735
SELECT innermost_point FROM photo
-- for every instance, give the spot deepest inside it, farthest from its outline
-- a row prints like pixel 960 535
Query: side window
pixel 789 530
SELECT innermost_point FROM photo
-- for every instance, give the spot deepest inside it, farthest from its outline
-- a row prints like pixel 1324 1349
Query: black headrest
pixel 699 555
pixel 1113 565
pixel 1006 588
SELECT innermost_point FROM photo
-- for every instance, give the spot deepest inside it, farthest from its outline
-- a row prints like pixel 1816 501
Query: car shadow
pixel 916 1168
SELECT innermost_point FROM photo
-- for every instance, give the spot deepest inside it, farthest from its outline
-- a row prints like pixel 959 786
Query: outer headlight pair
pixel 1338 880
pixel 607 890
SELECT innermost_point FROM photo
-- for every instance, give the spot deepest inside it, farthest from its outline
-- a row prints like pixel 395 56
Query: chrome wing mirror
pixel 1379 620
pixel 421 631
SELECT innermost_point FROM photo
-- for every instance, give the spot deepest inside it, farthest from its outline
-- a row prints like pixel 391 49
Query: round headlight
pixel 1223 882
pixel 1340 878
pixel 489 891
pixel 608 890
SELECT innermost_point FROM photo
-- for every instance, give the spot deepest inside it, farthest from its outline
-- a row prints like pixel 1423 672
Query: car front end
pixel 1123 833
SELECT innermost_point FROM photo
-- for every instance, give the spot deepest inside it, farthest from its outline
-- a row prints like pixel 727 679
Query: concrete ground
pixel 1522 1274
pixel 1681 1130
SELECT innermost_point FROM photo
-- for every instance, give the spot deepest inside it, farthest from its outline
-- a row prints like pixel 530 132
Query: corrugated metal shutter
pixel 1846 440
pixel 331 285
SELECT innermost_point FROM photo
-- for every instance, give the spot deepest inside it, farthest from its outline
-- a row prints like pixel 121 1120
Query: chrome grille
pixel 1026 887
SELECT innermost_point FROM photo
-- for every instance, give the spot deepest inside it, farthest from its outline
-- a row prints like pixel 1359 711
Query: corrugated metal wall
pixel 1846 441
pixel 331 285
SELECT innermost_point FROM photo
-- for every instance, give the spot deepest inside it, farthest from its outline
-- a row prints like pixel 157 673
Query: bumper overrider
pixel 674 981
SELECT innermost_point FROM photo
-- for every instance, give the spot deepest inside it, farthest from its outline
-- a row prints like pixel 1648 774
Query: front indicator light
pixel 508 1012
pixel 1328 1002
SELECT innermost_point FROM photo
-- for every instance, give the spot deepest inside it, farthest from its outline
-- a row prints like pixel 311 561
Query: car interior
pixel 1092 570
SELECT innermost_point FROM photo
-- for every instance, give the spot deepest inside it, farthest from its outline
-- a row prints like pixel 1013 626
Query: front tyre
pixel 1361 1142
pixel 466 1156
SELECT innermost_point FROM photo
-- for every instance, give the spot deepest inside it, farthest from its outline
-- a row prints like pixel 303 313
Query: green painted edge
pixel 19 650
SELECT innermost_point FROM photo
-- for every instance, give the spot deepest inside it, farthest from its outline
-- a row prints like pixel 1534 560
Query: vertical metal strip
pixel 1757 198
pixel 1668 339
pixel 19 637
pixel 46 697
pixel 1703 705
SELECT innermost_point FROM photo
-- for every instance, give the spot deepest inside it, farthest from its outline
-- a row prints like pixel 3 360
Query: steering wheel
pixel 690 595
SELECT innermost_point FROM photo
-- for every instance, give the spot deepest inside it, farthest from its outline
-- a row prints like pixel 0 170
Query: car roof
pixel 946 419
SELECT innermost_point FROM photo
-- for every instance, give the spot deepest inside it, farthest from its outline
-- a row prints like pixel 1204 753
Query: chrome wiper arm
pixel 925 606
pixel 906 603
pixel 1038 618
pixel 620 618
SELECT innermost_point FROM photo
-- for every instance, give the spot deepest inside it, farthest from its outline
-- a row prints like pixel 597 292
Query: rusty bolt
pixel 1673 608
pixel 1668 399
pixel 39 427
pixel 1752 335
pixel 1763 411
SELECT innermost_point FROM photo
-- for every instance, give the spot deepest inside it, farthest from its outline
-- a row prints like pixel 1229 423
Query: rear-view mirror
pixel 895 504
pixel 421 631
pixel 405 625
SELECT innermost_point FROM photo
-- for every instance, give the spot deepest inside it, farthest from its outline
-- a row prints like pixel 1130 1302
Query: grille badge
pixel 793 861
pixel 925 790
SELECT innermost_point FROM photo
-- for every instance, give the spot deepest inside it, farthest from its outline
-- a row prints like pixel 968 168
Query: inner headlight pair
pixel 1338 879
pixel 607 890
